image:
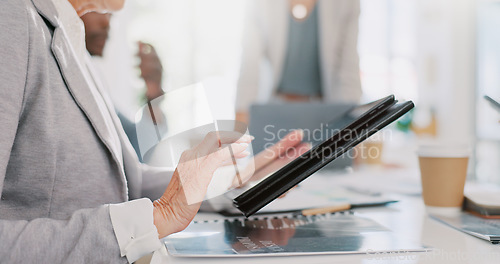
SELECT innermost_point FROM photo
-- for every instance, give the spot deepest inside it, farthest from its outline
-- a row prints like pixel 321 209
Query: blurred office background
pixel 442 54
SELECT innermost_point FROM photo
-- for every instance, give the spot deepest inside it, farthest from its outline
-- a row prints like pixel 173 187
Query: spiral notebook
pixel 337 233
pixel 487 229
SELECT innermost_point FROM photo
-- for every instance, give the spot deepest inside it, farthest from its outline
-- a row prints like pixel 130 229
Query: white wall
pixel 446 64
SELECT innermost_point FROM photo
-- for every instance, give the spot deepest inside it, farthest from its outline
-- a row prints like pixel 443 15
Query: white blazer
pixel 266 37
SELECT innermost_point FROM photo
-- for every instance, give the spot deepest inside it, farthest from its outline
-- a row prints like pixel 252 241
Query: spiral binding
pixel 296 217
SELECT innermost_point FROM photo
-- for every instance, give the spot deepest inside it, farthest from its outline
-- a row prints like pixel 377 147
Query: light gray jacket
pixel 57 170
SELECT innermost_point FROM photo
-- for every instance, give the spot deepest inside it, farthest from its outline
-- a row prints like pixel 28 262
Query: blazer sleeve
pixel 350 81
pixel 253 52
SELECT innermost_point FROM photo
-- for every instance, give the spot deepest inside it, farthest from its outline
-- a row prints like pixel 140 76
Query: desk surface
pixel 407 217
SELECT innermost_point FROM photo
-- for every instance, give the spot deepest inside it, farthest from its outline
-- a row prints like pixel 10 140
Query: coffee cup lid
pixel 444 149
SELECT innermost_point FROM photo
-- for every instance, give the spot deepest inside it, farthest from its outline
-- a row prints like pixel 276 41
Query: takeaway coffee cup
pixel 443 169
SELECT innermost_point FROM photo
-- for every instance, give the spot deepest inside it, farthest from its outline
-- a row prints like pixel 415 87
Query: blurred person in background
pixel 97 28
pixel 311 46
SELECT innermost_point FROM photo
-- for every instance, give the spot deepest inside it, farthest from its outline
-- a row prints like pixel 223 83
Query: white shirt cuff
pixel 134 228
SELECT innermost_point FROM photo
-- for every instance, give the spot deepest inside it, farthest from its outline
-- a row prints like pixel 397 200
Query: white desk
pixel 407 217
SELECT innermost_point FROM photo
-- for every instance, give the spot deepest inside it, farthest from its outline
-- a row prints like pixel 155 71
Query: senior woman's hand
pixel 182 199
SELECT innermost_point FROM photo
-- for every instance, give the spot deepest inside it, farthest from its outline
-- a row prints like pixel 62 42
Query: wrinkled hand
pixel 276 157
pixel 182 199
pixel 151 70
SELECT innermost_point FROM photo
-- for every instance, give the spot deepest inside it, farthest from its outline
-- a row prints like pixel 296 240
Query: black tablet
pixel 378 115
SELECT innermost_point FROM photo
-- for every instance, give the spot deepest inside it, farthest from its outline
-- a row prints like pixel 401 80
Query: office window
pixel 488 83
pixel 387 49
pixel 196 38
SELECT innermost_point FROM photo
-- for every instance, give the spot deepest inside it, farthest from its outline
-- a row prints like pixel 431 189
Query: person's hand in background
pixel 242 117
pixel 151 70
pixel 182 199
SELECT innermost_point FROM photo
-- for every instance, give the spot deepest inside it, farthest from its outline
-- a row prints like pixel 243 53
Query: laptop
pixel 319 121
